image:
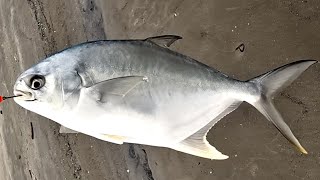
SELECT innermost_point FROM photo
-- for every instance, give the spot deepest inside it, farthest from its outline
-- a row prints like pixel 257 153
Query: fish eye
pixel 37 82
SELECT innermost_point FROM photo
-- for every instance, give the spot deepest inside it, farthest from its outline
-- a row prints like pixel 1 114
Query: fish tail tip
pixel 302 150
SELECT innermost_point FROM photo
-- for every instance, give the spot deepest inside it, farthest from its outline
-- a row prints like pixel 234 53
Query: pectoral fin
pixel 164 41
pixel 118 86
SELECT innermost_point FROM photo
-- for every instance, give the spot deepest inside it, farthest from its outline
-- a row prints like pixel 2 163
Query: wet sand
pixel 273 32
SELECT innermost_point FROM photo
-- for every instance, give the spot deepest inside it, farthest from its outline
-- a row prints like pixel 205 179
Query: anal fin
pixel 200 148
pixel 197 143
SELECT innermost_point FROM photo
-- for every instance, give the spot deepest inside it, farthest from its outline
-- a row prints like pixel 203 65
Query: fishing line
pixel 2 98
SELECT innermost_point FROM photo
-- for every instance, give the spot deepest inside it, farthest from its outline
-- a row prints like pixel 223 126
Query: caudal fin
pixel 272 82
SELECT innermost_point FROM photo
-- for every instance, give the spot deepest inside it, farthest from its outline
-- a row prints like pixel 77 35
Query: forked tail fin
pixel 272 82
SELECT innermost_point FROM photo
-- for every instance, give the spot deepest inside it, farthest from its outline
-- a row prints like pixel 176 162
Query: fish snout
pixel 23 92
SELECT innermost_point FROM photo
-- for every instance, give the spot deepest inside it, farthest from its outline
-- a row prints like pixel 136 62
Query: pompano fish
pixel 139 91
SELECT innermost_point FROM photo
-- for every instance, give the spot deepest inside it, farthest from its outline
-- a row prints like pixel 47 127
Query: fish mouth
pixel 24 95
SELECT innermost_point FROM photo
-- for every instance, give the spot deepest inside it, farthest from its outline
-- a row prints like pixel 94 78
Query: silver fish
pixel 139 91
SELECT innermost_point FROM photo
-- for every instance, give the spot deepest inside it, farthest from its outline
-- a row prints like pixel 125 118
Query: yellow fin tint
pixel 114 138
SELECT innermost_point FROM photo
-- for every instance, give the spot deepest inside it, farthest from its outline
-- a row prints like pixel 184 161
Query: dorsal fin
pixel 197 143
pixel 164 41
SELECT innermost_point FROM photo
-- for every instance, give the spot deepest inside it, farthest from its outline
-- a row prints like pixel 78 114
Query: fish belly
pixel 166 121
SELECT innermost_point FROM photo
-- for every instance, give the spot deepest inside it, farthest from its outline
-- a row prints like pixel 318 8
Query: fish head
pixel 48 87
